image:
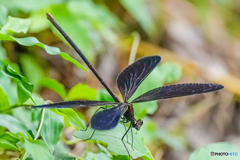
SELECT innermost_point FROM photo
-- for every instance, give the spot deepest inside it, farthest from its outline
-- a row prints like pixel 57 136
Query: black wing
pixel 132 76
pixel 178 90
pixel 108 118
pixel 75 104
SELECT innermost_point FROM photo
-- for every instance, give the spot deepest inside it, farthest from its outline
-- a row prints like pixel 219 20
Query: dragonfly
pixel 128 81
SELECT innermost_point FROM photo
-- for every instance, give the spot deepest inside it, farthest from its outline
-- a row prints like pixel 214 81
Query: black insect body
pixel 128 81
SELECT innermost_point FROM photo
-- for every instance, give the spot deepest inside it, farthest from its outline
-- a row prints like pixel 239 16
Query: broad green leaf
pixel 24 88
pixel 52 128
pixel 71 117
pixel 12 124
pixel 104 150
pixel 2 53
pixel 9 88
pixel 39 21
pixel 16 25
pixel 23 114
pixel 103 95
pixel 32 41
pixel 78 30
pixel 97 156
pixel 8 141
pixel 149 157
pixel 60 152
pixel 3 15
pixel 27 6
pixel 138 9
pixel 165 73
pixel 113 139
pixel 53 85
pixel 4 103
pixel 32 70
pixel 101 19
pixel 37 148
pixel 82 91
pixel 205 152
pixel 175 141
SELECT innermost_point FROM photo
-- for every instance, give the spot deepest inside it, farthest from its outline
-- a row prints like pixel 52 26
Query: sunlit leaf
pixel 37 148
pixel 8 141
pixel 3 15
pixel 52 126
pixel 31 69
pixel 12 124
pixel 205 152
pixel 78 30
pixel 32 5
pixel 103 95
pixel 24 88
pixel 4 103
pixel 137 8
pixel 113 139
pixel 16 25
pixel 53 85
pixel 71 117
pixel 32 41
pixel 82 91
pixel 23 114
pixel 97 156
pixel 9 88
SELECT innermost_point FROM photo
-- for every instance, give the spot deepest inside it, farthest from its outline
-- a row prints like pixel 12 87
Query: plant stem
pixel 90 66
pixel 134 48
pixel 38 132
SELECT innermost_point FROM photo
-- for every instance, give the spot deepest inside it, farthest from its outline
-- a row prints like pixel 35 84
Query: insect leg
pixel 124 143
pixel 132 137
pixel 125 130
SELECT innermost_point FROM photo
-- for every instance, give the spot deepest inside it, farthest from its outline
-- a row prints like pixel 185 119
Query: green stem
pixel 38 132
pixel 134 48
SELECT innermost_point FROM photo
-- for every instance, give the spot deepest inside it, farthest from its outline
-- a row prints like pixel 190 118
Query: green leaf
pixel 4 103
pixel 23 114
pixel 137 8
pixel 37 148
pixel 101 20
pixel 8 141
pixel 32 41
pixel 52 128
pixel 3 15
pixel 82 91
pixel 80 27
pixel 12 124
pixel 16 25
pixel 53 85
pixel 113 139
pixel 2 52
pixel 31 67
pixel 9 88
pixel 32 5
pixel 205 152
pixel 71 117
pixel 103 95
pixel 24 88
pixel 174 141
pixel 97 156
pixel 60 152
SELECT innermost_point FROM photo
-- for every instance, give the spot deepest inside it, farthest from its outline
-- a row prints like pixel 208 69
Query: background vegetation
pixel 198 41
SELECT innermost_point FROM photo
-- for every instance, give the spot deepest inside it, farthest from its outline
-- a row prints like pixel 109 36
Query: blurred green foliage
pixel 90 25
